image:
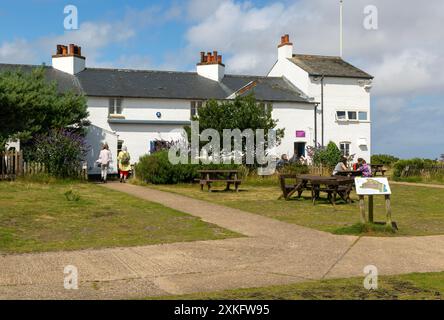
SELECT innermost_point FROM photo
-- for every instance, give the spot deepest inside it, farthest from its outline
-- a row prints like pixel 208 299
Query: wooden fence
pixel 320 170
pixel 12 166
pixel 425 172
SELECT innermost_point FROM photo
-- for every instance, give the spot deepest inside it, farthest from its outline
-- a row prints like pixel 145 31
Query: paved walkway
pixel 271 253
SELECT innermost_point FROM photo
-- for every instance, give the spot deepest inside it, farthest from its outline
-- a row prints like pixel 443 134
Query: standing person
pixel 105 157
pixel 364 168
pixel 124 164
pixel 340 166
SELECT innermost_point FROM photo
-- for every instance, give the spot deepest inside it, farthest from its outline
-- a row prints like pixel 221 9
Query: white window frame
pixel 367 116
pixel 340 119
pixel 347 118
pixel 345 143
pixel 115 107
pixel 195 105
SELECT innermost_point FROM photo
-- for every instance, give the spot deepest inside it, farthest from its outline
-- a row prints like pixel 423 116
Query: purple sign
pixel 300 134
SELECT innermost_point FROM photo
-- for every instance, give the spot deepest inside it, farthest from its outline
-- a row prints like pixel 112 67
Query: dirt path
pixel 271 253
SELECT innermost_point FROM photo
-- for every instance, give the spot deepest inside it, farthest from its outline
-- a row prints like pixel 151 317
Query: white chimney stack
pixel 285 48
pixel 71 61
pixel 211 66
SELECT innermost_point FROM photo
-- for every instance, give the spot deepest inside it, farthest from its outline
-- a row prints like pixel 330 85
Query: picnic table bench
pixel 207 177
pixel 334 186
pixel 378 168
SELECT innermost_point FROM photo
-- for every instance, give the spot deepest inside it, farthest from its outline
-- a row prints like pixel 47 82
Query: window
pixel 352 115
pixel 345 148
pixel 195 105
pixel 362 116
pixel 341 115
pixel 119 146
pixel 115 106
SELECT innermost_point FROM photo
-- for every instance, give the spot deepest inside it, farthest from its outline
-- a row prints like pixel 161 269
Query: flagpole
pixel 341 42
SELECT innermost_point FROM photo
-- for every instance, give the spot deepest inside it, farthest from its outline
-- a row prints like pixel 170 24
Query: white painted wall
pixel 293 117
pixel 69 64
pixel 349 95
pixel 137 137
pixel 139 109
pixel 297 76
pixel 339 94
pixel 213 72
pixel 95 138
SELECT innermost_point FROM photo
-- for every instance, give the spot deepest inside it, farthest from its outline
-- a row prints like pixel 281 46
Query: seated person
pixel 364 168
pixel 283 161
pixel 341 166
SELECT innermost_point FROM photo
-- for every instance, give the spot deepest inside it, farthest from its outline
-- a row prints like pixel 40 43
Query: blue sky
pixel 405 53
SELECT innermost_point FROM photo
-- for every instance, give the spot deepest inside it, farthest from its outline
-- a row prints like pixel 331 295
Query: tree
pixel 30 105
pixel 242 113
pixel 329 156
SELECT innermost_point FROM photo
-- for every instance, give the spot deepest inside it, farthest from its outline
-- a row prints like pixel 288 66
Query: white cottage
pixel 316 99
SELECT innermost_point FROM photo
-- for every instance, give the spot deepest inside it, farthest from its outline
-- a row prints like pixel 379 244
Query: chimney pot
pixel 71 49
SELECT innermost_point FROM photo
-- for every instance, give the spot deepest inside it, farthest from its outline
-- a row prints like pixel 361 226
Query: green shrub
pixel 417 164
pixel 157 169
pixel 385 159
pixel 61 151
pixel 295 168
pixel 329 156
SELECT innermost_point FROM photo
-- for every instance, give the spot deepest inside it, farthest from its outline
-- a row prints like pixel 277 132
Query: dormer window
pixel 115 106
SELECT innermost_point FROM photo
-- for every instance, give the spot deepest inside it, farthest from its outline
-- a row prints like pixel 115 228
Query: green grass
pixel 416 210
pixel 71 215
pixel 416 286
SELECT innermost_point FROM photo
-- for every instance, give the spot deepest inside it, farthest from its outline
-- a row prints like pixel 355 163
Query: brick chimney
pixel 69 59
pixel 285 48
pixel 211 66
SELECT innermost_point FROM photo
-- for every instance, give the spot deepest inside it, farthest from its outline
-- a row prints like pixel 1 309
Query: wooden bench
pixel 208 177
pixel 341 187
pixel 378 168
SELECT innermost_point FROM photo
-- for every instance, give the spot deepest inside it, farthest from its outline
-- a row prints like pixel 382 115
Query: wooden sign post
pixel 371 187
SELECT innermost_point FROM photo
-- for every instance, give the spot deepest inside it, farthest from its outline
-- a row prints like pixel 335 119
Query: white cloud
pixel 17 51
pixel 406 72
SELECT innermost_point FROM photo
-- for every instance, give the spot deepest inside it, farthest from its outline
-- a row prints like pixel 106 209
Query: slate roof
pixel 166 84
pixel 65 81
pixel 329 66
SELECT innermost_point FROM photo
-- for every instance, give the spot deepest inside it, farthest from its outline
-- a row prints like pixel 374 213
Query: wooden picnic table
pixel 349 173
pixel 334 186
pixel 378 168
pixel 207 177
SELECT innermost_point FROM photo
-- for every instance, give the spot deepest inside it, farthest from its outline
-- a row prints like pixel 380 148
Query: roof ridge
pixel 295 55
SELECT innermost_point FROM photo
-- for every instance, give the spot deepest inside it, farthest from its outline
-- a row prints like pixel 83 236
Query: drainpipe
pixel 322 110
pixel 316 125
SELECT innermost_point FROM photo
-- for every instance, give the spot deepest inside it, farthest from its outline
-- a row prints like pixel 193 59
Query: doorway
pixel 299 149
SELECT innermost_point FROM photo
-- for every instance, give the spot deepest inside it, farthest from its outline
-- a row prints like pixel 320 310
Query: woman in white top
pixel 105 157
pixel 341 166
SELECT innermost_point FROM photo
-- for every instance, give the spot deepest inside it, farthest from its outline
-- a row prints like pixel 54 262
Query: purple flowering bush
pixel 61 151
